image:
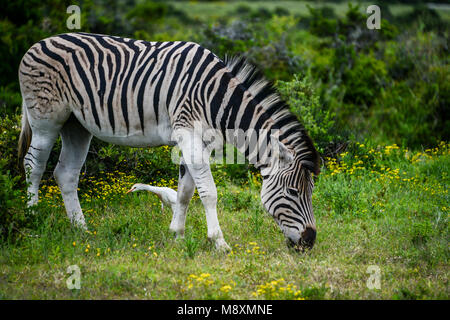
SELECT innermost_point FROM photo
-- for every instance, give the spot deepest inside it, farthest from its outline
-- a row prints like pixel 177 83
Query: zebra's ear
pixel 285 156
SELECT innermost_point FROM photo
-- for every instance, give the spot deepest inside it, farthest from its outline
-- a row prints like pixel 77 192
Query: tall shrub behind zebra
pixel 144 94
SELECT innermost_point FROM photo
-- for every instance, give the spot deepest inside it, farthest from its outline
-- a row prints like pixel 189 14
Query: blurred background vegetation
pixel 344 81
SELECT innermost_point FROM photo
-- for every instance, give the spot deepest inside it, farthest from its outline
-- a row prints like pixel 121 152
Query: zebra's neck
pixel 260 145
pixel 252 117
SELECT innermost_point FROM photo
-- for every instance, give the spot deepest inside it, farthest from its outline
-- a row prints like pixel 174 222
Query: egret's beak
pixel 130 190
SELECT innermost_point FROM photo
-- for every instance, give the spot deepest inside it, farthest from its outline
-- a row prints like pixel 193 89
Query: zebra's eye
pixel 293 192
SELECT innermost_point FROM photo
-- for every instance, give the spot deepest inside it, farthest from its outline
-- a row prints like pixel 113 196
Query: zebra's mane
pixel 266 95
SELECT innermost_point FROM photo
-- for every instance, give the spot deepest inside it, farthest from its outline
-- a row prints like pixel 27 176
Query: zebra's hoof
pixel 81 225
pixel 222 246
pixel 179 236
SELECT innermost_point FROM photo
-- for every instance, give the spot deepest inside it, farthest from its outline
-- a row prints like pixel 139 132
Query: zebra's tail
pixel 25 136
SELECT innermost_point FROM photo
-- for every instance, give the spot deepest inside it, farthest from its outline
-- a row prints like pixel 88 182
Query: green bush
pixel 147 164
pixel 264 43
pixel 261 14
pixel 280 11
pixel 300 95
pixel 144 14
pixel 424 18
pixel 321 25
pixel 9 137
pixel 364 80
pixel 12 203
pixel 10 101
pixel 413 116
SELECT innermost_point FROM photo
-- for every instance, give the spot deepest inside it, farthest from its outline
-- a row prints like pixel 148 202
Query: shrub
pixel 413 116
pixel 423 17
pixel 319 24
pixel 280 11
pixel 145 14
pixel 363 80
pixel 147 164
pixel 261 14
pixel 243 10
pixel 306 105
pixel 264 44
pixel 230 39
pixel 12 203
pixel 9 136
pixel 10 101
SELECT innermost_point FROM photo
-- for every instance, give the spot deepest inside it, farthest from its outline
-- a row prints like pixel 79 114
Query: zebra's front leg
pixel 208 194
pixel 192 147
pixel 75 145
pixel 185 192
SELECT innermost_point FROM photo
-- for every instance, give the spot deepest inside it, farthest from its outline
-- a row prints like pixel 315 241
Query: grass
pixel 382 206
pixel 210 10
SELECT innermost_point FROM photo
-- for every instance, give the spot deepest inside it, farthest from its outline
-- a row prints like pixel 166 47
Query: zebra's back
pixel 122 90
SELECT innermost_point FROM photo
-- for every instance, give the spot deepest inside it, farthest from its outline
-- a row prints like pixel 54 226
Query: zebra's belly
pixel 148 139
pixel 153 135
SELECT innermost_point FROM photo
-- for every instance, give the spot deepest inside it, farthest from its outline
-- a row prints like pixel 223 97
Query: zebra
pixel 146 94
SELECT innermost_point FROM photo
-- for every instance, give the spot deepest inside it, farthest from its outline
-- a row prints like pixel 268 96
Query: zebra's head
pixel 287 195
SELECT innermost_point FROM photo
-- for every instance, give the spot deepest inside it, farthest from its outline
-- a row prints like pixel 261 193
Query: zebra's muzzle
pixel 306 241
pixel 308 238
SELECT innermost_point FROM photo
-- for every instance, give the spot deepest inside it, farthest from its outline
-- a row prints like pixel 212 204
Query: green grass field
pixel 375 206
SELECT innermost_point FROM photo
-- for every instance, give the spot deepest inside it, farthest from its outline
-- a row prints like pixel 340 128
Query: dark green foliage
pixel 260 42
pixel 146 15
pixel 22 23
pixel 426 18
pixel 280 11
pixel 321 25
pixel 243 9
pixel 261 14
pixel 230 39
pixel 148 11
pixel 360 75
pixel 305 103
pixel 10 101
pixel 9 137
pixel 364 80
pixel 414 108
pixel 12 203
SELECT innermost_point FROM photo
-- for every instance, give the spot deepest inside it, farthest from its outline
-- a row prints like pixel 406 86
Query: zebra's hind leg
pixel 191 147
pixel 185 192
pixel 75 146
pixel 35 159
